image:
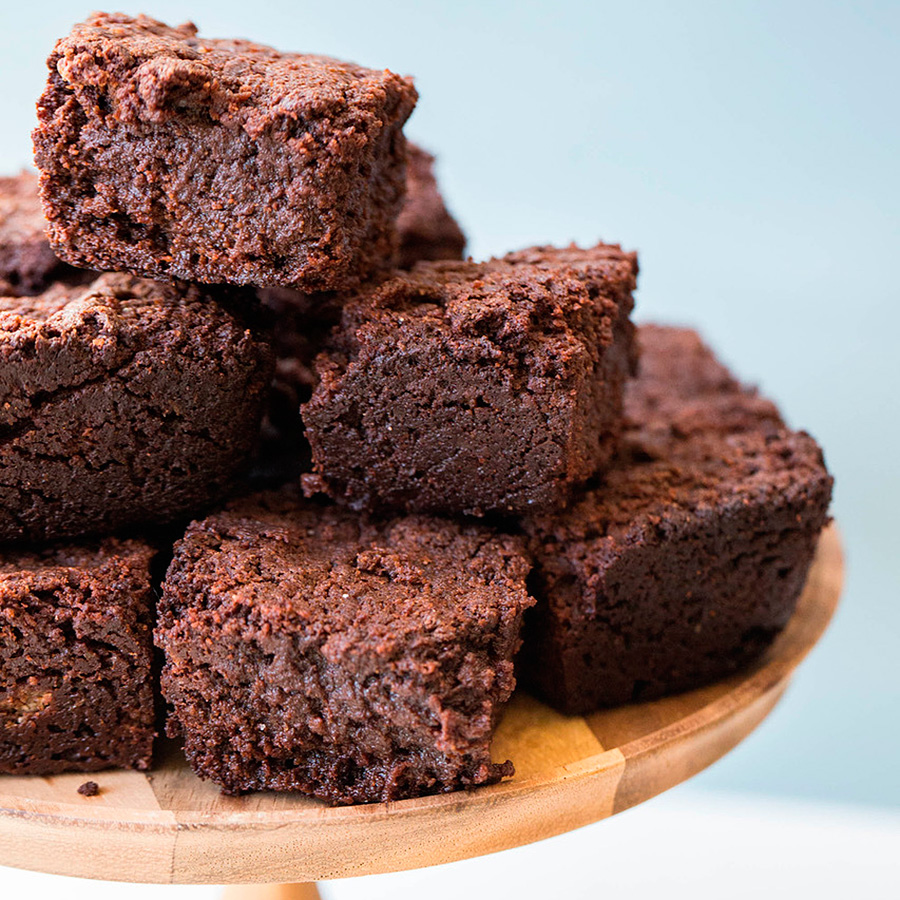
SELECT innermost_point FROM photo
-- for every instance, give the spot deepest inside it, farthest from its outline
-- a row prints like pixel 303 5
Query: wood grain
pixel 167 826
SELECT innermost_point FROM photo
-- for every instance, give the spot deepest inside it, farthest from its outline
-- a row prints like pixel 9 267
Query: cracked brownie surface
pixel 316 650
pixel 76 658
pixel 173 156
pixel 475 387
pixel 686 559
pixel 122 402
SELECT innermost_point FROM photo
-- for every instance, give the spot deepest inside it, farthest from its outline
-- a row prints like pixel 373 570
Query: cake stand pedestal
pixel 167 826
pixel 307 891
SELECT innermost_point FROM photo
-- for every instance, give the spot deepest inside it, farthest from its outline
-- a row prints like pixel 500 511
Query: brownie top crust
pixel 697 443
pixel 661 498
pixel 69 335
pixel 349 580
pixel 615 267
pixel 104 581
pixel 55 560
pixel 528 303
pixel 684 390
pixel 160 72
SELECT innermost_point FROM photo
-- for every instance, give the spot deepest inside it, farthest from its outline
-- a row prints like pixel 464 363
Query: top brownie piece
pixel 475 387
pixel 27 264
pixel 172 156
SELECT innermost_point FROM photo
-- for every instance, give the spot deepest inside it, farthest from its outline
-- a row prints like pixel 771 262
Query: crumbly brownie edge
pixel 76 651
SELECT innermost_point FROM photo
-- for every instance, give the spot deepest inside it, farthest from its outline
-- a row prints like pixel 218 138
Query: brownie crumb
pixel 89 789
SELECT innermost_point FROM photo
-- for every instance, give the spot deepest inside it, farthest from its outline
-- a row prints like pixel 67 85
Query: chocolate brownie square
pixel 686 561
pixel 427 230
pixel 309 649
pixel 171 156
pixel 124 401
pixel 475 387
pixel 27 264
pixel 76 654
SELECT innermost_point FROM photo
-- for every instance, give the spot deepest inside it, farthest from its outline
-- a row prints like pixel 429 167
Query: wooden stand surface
pixel 167 826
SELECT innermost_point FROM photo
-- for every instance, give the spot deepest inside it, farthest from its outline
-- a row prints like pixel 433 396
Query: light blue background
pixel 749 151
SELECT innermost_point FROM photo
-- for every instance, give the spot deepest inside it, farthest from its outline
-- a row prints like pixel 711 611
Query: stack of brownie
pixel 257 411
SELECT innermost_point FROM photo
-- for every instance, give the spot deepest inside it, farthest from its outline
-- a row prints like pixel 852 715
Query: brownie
pixel 475 387
pixel 685 391
pixel 76 654
pixel 427 230
pixel 27 264
pixel 122 402
pixel 311 649
pixel 171 156
pixel 686 561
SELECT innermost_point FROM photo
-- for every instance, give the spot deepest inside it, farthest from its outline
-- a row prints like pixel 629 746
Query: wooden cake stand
pixel 168 826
